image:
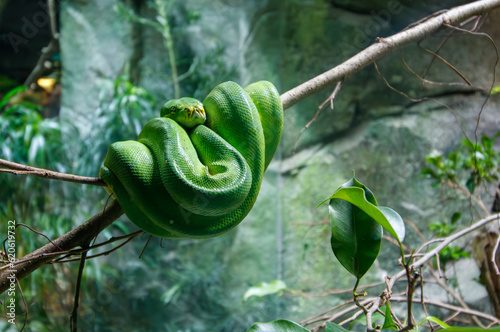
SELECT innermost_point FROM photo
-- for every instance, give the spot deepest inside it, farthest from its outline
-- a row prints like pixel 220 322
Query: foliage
pixel 465 168
pixel 26 136
pixel 356 221
pixel 124 108
pixel 443 229
pixel 468 166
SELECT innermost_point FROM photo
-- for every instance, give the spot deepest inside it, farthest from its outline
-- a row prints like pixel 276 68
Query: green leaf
pixel 10 94
pixel 396 222
pixel 332 327
pixel 495 90
pixel 356 196
pixel 435 320
pixel 455 217
pixel 388 321
pixel 264 289
pixel 356 220
pixel 356 237
pixel 280 325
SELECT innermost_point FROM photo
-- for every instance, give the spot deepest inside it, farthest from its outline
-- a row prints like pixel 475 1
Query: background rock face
pixel 381 135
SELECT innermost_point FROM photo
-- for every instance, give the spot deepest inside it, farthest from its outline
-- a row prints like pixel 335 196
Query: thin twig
pixel 320 108
pixel 424 80
pixel 73 252
pixel 422 298
pixel 415 100
pixel 335 291
pixel 74 314
pixel 470 312
pixel 48 50
pixel 105 253
pixel 145 246
pixel 437 56
pixel 450 291
pixel 494 256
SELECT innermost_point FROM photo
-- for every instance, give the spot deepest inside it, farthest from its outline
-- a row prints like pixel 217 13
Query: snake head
pixel 188 112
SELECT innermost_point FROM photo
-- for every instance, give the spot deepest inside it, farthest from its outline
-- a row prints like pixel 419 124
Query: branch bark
pixel 383 46
pixel 19 169
pixel 80 236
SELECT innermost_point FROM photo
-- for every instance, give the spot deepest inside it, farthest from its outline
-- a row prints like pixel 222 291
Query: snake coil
pixel 190 177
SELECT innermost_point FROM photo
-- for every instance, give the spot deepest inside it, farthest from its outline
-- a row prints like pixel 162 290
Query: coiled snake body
pixel 183 178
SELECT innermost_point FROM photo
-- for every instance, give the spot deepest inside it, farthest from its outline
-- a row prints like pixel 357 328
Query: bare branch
pixel 48 50
pixel 18 169
pixel 470 312
pixel 384 46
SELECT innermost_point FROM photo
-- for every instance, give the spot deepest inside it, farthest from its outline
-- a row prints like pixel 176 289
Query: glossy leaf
pixel 264 289
pixel 280 325
pixel 396 222
pixel 386 217
pixel 332 327
pixel 356 237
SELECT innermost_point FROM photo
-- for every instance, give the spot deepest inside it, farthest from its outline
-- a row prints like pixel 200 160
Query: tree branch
pixel 18 169
pixel 79 236
pixel 384 46
pixel 91 228
pixel 48 50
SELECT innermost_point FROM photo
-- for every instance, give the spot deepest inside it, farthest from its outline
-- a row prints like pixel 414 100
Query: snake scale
pixel 196 170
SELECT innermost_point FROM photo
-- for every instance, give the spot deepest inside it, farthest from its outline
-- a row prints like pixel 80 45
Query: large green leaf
pixel 356 237
pixel 386 217
pixel 280 325
pixel 265 288
pixel 356 221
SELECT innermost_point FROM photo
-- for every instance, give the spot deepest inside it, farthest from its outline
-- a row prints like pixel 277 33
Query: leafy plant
pixel 26 136
pixel 124 109
pixel 470 164
pixel 356 222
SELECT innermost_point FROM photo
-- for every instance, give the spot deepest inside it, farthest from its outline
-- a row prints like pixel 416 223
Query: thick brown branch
pixel 79 236
pixel 384 46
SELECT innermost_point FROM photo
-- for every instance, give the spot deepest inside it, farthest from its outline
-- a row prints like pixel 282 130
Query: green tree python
pixel 196 170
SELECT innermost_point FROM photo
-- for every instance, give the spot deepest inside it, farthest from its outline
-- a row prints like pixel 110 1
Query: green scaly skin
pixel 187 177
